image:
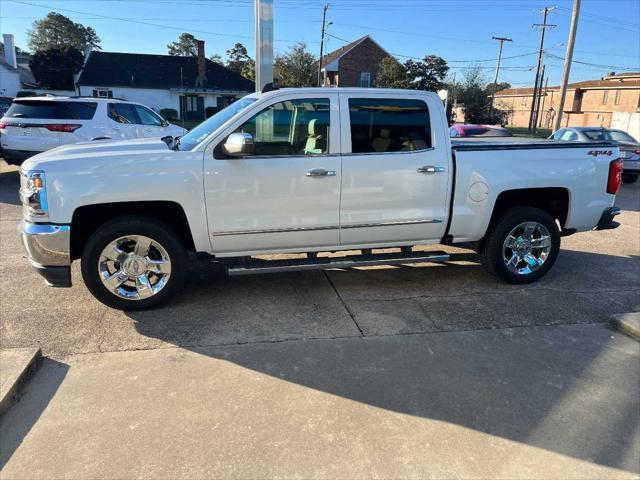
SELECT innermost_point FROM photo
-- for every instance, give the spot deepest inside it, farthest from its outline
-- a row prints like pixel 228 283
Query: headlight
pixel 33 193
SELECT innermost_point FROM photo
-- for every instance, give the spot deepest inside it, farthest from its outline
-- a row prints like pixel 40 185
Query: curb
pixel 16 364
pixel 627 323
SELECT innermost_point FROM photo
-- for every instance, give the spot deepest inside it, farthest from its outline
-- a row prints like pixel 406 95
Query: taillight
pixel 3 125
pixel 615 176
pixel 637 152
pixel 62 127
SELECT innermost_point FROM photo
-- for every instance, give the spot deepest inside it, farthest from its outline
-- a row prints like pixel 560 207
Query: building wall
pixel 9 82
pixel 154 98
pixel 593 110
pixel 365 57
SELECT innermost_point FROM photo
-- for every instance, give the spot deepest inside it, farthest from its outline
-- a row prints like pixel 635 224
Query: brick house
pixel 606 102
pixel 354 65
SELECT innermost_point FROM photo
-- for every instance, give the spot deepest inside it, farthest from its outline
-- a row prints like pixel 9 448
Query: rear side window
pixel 123 113
pixel 78 110
pixel 52 110
pixel 381 125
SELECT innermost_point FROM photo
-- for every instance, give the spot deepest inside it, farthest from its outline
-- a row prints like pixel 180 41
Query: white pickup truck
pixel 307 171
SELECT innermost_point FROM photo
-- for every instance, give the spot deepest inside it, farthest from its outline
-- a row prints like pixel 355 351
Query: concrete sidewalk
pixel 534 402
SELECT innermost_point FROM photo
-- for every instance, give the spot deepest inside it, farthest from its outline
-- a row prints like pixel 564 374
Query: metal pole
pixel 544 97
pixel 324 23
pixel 264 43
pixel 495 81
pixel 540 97
pixel 567 63
pixel 544 26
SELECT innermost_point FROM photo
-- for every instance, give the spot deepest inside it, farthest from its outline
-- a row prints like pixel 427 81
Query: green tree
pixel 498 87
pixel 186 46
pixel 391 74
pixel 57 31
pixel 216 58
pixel 475 95
pixel 249 70
pixel 427 74
pixel 54 68
pixel 237 58
pixel 296 68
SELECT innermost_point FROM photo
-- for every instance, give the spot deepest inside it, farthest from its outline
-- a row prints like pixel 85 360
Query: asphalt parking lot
pixel 597 274
pixel 430 371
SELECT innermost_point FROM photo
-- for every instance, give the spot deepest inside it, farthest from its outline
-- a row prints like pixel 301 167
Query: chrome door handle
pixel 320 172
pixel 430 169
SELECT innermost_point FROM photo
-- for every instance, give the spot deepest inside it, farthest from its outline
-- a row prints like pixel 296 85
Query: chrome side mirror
pixel 239 144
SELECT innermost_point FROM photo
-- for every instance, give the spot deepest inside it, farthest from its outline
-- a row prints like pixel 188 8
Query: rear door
pixel 123 121
pixel 395 169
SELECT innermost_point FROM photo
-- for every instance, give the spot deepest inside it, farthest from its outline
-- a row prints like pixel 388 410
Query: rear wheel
pixel 134 263
pixel 522 246
pixel 629 177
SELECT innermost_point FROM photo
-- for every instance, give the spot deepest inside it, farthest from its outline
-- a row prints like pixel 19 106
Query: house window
pixel 605 97
pixel 191 102
pixel 616 99
pixel 365 79
pixel 102 93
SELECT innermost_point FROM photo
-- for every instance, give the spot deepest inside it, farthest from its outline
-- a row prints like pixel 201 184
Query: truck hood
pixel 96 148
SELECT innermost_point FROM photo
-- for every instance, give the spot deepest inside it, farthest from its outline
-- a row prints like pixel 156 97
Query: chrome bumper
pixel 49 249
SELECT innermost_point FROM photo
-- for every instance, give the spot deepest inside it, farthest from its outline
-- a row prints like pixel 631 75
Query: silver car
pixel 629 146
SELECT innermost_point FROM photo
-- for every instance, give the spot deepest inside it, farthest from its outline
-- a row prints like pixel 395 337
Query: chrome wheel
pixel 134 267
pixel 526 248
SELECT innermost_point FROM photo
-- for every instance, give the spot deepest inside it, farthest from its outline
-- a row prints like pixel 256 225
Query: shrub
pixel 169 113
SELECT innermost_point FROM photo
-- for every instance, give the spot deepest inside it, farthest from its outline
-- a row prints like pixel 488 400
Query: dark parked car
pixel 629 146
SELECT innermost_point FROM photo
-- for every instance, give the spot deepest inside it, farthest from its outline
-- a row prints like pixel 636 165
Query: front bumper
pixel 606 220
pixel 49 250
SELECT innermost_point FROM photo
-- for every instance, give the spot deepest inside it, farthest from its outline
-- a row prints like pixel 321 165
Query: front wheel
pixel 522 246
pixel 134 263
pixel 629 177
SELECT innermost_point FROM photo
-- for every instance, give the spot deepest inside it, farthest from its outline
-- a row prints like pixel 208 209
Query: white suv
pixel 35 124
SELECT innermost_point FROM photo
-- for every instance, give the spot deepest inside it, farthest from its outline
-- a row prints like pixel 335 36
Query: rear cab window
pixel 386 125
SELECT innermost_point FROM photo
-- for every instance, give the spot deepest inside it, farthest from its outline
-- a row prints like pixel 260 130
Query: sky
pixel 460 31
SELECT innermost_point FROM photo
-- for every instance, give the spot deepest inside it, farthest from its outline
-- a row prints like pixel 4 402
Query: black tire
pixel 133 225
pixel 492 252
pixel 629 177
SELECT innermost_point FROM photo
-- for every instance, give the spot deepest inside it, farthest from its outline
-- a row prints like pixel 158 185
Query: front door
pixel 192 107
pixel 286 196
pixel 394 182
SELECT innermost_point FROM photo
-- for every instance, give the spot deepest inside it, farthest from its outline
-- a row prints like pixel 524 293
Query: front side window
pixel 123 113
pixel 147 117
pixel 293 127
pixel 389 125
pixel 568 136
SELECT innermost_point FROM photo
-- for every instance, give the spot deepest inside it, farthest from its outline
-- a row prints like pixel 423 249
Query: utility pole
pixel 324 25
pixel 495 81
pixel 567 63
pixel 538 83
pixel 541 94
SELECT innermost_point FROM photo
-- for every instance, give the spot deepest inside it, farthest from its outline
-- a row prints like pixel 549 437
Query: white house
pixel 186 84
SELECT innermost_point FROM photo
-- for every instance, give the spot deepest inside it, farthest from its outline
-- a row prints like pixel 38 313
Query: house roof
pixel 331 57
pixel 137 70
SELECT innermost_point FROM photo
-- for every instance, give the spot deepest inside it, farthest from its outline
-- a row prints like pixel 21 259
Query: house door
pixel 192 107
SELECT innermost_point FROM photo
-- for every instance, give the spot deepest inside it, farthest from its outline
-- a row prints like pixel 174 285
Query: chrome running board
pixel 255 265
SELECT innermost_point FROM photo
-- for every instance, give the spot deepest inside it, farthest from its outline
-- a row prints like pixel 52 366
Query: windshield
pixel 202 131
pixel 609 135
